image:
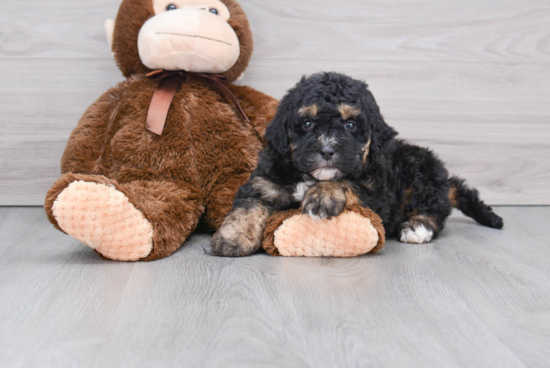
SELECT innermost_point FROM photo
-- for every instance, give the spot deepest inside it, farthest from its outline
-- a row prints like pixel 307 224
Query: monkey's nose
pixel 328 153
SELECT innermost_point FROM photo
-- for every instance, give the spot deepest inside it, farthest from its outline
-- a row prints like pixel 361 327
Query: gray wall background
pixel 469 79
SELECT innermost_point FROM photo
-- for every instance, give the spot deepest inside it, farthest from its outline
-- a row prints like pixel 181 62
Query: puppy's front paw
pixel 227 246
pixel 241 233
pixel 324 200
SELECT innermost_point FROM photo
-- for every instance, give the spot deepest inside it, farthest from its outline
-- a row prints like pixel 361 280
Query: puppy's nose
pixel 327 153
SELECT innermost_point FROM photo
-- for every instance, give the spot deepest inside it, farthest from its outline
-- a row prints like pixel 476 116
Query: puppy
pixel 329 146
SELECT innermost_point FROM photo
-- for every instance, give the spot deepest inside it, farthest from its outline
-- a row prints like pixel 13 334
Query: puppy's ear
pixel 276 133
pixel 382 133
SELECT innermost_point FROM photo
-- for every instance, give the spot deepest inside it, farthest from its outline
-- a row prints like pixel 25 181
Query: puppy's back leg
pixel 426 211
pixel 418 229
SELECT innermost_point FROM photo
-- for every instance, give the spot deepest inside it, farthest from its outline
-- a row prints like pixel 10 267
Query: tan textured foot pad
pixel 347 235
pixel 103 218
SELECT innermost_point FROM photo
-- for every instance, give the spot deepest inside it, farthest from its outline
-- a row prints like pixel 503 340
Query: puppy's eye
pixel 171 7
pixel 214 11
pixel 350 126
pixel 308 125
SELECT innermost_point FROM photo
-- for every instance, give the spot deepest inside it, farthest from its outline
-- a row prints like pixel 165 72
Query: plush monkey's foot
pixel 103 218
pixel 355 232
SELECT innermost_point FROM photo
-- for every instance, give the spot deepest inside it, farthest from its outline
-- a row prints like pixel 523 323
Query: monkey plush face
pixel 191 35
pixel 205 36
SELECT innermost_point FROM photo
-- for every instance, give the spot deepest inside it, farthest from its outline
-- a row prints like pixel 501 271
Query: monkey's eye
pixel 308 125
pixel 172 7
pixel 350 126
pixel 213 11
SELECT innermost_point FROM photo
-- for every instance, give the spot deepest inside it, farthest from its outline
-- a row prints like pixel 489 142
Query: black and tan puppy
pixel 329 145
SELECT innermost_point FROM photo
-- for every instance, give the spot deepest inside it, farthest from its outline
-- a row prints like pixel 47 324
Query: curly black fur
pixel 330 125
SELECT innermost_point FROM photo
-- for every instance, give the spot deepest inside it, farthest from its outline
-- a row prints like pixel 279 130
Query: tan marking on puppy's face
pixel 366 151
pixel 309 111
pixel 348 112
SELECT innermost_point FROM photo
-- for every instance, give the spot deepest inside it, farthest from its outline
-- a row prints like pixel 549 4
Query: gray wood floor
pixel 468 79
pixel 476 297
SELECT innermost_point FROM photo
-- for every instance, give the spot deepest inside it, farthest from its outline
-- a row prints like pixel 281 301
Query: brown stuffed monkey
pixel 170 146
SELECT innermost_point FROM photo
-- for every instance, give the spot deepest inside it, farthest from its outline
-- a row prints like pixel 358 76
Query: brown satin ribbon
pixel 167 89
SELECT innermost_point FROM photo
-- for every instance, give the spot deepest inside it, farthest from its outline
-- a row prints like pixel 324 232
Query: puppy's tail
pixel 467 200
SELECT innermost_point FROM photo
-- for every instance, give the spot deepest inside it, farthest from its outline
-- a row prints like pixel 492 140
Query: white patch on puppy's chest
pixel 326 174
pixel 417 235
pixel 301 189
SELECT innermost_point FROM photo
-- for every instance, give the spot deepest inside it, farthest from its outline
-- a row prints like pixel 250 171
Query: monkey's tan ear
pixel 109 30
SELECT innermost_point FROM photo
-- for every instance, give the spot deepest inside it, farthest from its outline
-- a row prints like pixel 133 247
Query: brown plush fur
pixel 133 14
pixel 173 210
pixel 277 219
pixel 275 222
pixel 194 169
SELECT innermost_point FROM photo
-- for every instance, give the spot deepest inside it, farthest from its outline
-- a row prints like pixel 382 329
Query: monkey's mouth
pixel 193 36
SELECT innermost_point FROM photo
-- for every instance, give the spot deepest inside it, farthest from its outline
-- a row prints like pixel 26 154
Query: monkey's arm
pixel 88 141
pixel 259 107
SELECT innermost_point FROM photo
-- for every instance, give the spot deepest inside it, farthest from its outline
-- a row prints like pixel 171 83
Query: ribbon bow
pixel 167 89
